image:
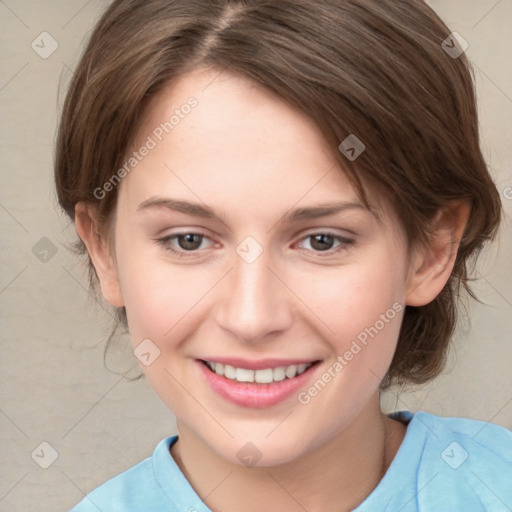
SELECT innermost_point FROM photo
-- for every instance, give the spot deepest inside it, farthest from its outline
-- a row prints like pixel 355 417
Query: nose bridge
pixel 254 304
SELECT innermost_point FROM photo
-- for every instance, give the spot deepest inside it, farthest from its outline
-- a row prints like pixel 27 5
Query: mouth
pixel 256 384
pixel 258 376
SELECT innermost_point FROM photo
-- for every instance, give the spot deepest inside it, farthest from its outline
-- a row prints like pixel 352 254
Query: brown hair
pixel 373 68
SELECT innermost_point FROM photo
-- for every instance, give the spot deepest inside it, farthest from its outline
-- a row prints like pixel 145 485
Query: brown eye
pixel 327 244
pixel 185 244
pixel 189 241
pixel 322 241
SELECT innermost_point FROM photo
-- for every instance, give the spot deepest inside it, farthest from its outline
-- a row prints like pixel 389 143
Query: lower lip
pixel 258 396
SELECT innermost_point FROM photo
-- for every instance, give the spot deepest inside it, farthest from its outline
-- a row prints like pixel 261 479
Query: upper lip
pixel 259 364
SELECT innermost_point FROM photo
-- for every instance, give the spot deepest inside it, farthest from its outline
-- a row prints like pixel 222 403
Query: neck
pixel 341 472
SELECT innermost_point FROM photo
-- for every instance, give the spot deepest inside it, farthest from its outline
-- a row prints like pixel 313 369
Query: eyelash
pixel 344 243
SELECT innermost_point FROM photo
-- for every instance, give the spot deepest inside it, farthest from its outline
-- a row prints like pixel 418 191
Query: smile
pixel 267 383
pixel 263 376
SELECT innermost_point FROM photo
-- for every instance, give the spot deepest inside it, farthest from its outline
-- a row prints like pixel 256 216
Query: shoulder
pixel 461 462
pixel 134 489
pixel 478 438
pixel 455 464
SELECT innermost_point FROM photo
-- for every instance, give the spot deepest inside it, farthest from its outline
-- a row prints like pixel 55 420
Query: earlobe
pixel 432 266
pixel 100 253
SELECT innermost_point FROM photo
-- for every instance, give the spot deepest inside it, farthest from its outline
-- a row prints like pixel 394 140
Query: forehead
pixel 239 145
pixel 236 125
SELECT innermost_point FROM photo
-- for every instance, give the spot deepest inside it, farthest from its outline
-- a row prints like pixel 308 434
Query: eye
pixel 183 243
pixel 324 243
pixel 189 243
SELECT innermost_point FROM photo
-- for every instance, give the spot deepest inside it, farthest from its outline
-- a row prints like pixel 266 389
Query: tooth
pixel 264 376
pixel 229 371
pixel 301 368
pixel 279 373
pixel 291 371
pixel 243 375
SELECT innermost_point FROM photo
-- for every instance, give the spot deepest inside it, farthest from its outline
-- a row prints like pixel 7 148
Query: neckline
pixel 403 463
pixel 169 477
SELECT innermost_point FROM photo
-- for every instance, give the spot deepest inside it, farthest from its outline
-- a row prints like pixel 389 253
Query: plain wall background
pixel 53 385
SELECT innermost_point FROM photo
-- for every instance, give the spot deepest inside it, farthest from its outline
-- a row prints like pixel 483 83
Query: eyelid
pixel 343 245
pixel 166 240
pixel 327 231
pixel 344 242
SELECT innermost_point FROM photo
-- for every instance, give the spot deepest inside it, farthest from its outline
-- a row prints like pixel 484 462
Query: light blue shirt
pixel 442 465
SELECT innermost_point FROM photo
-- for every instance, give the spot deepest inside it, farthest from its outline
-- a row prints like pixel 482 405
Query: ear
pixel 103 259
pixel 432 266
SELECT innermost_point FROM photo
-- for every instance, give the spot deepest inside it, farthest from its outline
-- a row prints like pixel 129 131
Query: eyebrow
pixel 203 211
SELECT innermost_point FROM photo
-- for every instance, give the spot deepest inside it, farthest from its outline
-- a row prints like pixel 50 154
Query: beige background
pixel 53 386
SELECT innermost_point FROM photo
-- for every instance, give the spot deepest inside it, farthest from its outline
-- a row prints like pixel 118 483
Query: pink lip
pixel 247 394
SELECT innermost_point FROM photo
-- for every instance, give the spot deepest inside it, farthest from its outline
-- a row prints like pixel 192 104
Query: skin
pixel 251 158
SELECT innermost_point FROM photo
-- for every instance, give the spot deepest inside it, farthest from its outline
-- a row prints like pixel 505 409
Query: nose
pixel 255 303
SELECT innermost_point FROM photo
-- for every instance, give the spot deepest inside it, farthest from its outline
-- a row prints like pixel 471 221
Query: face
pixel 239 241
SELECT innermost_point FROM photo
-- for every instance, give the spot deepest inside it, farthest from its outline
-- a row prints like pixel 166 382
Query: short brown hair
pixel 373 68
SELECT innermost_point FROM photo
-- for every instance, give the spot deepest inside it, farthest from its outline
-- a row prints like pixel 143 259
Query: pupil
pixel 189 241
pixel 322 242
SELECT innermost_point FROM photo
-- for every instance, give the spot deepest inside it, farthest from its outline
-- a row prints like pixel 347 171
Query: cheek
pixel 159 296
pixel 162 304
pixel 361 313
pixel 352 298
pixel 359 310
